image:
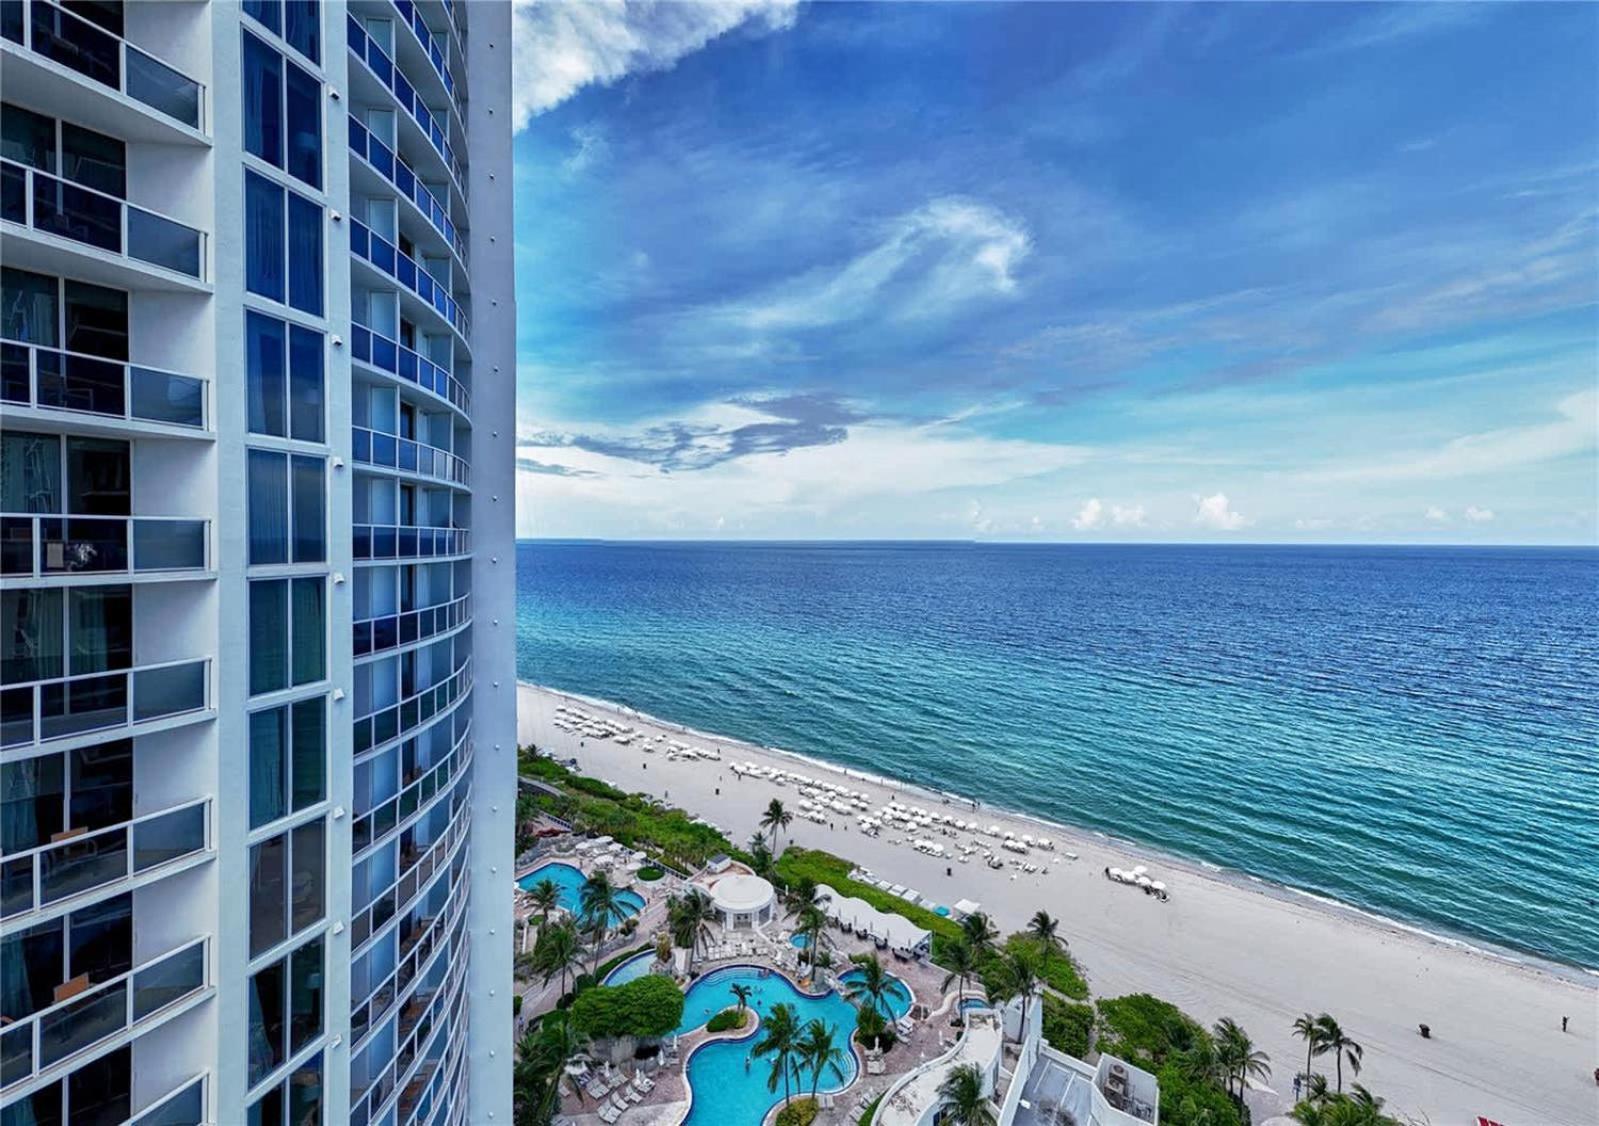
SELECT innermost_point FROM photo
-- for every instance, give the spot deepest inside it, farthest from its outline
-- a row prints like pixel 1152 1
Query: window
pixel 287 505
pixel 96 1092
pixel 77 316
pixel 89 788
pixel 283 251
pixel 282 112
pixel 298 21
pixel 95 943
pixel 286 885
pixel 288 760
pixel 72 152
pixel 285 1009
pixel 43 636
pixel 288 633
pixel 95 472
pixel 297 1101
pixel 284 374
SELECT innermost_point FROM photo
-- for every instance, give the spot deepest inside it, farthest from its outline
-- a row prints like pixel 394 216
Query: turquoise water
pixel 1410 730
pixel 631 970
pixel 800 941
pixel 974 1004
pixel 728 1085
pixel 895 1003
pixel 570 881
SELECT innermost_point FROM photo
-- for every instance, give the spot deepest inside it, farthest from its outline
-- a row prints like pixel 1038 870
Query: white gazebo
pixel 742 899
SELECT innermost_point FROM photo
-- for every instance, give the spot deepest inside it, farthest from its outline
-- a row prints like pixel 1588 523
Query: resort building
pixel 257 402
pixel 740 898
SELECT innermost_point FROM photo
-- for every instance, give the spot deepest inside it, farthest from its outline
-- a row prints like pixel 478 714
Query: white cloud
pixel 945 253
pixel 589 148
pixel 1090 516
pixel 1130 517
pixel 561 47
pixel 1436 514
pixel 1216 512
pixel 1478 515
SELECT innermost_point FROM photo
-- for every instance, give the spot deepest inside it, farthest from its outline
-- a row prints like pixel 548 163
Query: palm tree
pixel 979 932
pixel 542 1055
pixel 1239 1058
pixel 873 984
pixel 965 1104
pixel 546 897
pixel 818 1049
pixel 779 1033
pixel 1021 975
pixel 760 856
pixel 1341 1045
pixel 1047 931
pixel 742 993
pixel 558 951
pixel 599 905
pixel 1306 1028
pixel 689 917
pixel 802 895
pixel 961 961
pixel 775 820
pixel 1358 1108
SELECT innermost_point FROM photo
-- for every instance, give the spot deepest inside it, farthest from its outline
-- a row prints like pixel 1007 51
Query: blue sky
pixel 1062 272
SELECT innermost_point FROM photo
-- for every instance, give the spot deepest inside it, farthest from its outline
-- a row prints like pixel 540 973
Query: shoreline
pixel 1574 973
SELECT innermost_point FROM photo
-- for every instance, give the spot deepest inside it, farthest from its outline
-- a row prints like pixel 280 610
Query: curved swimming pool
pixel 726 1081
pixel 569 880
pixel 894 1003
pixel 631 970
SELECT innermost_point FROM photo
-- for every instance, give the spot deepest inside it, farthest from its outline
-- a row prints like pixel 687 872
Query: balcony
pixel 51 33
pixel 392 262
pixel 139 997
pixel 395 358
pixel 390 451
pixel 49 546
pixel 56 380
pixel 434 47
pixel 181 1106
pixel 94 861
pixel 412 712
pixel 406 541
pixel 390 77
pixel 387 164
pixel 61 209
pixel 45 710
pixel 390 631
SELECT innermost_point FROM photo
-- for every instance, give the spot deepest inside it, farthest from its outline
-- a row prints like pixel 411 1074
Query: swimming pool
pixel 727 1083
pixel 800 941
pixel 895 1003
pixel 570 882
pixel 631 970
pixel 974 1004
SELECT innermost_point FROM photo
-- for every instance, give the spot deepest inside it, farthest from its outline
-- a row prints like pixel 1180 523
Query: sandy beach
pixel 1222 945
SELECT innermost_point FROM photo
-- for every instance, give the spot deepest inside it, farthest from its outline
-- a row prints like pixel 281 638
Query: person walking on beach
pixel 1563 1022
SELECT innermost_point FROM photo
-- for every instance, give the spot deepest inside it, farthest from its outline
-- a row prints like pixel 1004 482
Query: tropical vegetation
pixel 649 1007
pixel 727 1020
pixel 965 1103
pixel 542 1054
pixel 779 1039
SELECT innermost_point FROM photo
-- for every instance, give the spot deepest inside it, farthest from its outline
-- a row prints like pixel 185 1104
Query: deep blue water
pixel 1411 730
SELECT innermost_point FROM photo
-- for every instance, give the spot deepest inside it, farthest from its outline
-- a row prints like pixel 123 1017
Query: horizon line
pixel 734 541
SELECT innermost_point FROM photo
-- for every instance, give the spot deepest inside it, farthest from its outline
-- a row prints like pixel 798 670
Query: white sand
pixel 1221 946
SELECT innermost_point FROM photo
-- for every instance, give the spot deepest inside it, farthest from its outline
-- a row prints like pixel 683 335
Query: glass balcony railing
pixel 376 447
pixel 88 861
pixel 405 717
pixel 406 541
pixel 390 631
pixel 54 709
pixel 53 206
pixel 184 1105
pixel 37 546
pixel 52 379
pixel 376 823
pixel 393 79
pixel 396 359
pixel 437 51
pixel 390 260
pixel 388 165
pixel 52 32
pixel 57 1033
pixel 429 860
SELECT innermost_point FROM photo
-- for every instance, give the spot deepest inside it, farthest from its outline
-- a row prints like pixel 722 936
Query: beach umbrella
pixel 1144 881
pixel 1157 885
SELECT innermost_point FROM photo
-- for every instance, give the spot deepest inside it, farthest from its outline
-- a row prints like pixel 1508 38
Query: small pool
pixel 631 970
pixel 570 881
pixel 727 1083
pixel 968 1004
pixel 800 941
pixel 893 1004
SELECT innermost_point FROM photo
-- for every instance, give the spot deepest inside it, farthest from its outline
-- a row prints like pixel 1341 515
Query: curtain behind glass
pixel 310 630
pixel 268 509
pixel 267 764
pixel 264 383
pixel 305 255
pixel 31 636
pixel 28 310
pixel 263 101
pixel 30 472
pixel 269 636
pixel 102 629
pixel 263 237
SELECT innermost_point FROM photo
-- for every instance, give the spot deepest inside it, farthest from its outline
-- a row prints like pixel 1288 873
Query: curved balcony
pixel 110 702
pixel 47 546
pixel 389 76
pixel 390 261
pixel 401 719
pixel 395 358
pixel 436 51
pixel 391 631
pixel 374 826
pixel 389 451
pixel 65 210
pixel 399 896
pixel 70 41
pixel 100 860
pixel 408 541
pixel 140 997
pixel 387 164
pixel 57 380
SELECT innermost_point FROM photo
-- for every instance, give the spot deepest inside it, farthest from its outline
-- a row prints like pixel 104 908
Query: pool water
pixel 800 941
pixel 974 1004
pixel 631 970
pixel 728 1084
pixel 895 1003
pixel 570 881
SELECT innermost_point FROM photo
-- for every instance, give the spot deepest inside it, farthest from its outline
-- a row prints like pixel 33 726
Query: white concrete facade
pixel 258 561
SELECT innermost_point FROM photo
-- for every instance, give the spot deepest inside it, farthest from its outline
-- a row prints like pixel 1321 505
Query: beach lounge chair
pixel 609 1114
pixel 634 1095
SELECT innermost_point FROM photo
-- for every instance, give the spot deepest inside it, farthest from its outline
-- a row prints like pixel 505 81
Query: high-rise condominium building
pixel 257 416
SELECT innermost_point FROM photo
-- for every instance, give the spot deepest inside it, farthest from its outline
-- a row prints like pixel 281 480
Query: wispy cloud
pixel 562 47
pixel 1216 513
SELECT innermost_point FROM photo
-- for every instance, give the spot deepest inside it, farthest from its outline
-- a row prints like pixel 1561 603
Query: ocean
pixel 1412 731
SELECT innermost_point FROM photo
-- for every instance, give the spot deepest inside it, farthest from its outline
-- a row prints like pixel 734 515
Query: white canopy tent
pixel 898 931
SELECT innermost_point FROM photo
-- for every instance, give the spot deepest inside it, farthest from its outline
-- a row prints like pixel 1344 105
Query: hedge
pixel 727 1020
pixel 800 1112
pixel 649 1006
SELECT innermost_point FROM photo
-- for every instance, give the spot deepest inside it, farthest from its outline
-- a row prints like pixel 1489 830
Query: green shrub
pixel 1186 1101
pixel 727 1020
pixel 800 1112
pixel 516 1005
pixel 650 873
pixel 1067 1025
pixel 1145 1030
pixel 649 1006
pixel 871 1109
